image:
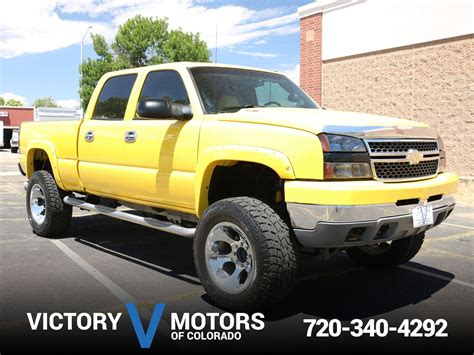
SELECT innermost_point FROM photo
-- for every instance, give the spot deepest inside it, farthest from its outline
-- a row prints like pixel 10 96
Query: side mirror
pixel 293 97
pixel 159 108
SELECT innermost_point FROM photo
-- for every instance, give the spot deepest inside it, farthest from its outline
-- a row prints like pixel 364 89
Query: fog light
pixel 347 170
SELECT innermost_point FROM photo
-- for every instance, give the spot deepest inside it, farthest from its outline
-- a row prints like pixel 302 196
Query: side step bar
pixel 124 216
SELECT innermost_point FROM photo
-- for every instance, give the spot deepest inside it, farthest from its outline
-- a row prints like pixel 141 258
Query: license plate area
pixel 422 216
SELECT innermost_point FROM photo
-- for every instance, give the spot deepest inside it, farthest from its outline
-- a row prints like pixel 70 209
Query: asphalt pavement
pixel 103 263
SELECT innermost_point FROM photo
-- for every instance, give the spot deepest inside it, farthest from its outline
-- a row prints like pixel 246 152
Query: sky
pixel 40 39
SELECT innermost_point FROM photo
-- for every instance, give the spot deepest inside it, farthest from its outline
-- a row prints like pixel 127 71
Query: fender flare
pixel 230 154
pixel 50 152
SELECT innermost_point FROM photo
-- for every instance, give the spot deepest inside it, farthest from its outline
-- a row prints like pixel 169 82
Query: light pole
pixel 82 44
pixel 82 59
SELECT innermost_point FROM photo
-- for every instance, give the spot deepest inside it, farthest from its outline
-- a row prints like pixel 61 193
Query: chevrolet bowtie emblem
pixel 414 156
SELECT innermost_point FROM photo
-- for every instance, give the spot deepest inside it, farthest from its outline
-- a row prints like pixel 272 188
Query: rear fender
pixel 50 151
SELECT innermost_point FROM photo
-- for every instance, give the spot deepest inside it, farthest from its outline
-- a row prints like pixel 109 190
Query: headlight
pixel 345 157
pixel 336 143
pixel 347 170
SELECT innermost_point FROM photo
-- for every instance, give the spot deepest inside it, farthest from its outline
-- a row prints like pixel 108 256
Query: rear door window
pixel 113 98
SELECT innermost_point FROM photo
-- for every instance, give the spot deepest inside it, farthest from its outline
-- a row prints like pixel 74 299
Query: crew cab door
pixel 161 154
pixel 100 141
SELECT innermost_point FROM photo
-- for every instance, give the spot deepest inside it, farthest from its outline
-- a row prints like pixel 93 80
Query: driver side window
pixel 165 84
pixel 270 91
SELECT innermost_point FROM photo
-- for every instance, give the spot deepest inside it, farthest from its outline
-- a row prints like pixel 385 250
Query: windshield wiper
pixel 237 108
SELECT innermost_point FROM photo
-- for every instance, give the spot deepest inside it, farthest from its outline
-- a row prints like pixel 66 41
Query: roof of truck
pixel 177 65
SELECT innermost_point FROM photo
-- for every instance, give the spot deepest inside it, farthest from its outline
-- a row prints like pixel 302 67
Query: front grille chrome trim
pixel 401 156
pixel 400 160
pixel 407 141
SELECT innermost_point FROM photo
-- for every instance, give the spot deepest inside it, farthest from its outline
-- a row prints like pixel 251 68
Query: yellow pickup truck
pixel 247 164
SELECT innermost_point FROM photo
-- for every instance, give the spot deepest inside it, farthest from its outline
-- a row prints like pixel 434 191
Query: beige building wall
pixel 431 82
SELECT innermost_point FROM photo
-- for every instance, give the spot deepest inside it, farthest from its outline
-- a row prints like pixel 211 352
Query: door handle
pixel 89 136
pixel 130 136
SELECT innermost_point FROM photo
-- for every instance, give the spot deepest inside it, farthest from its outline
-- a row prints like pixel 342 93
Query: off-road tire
pixel 399 252
pixel 275 257
pixel 58 214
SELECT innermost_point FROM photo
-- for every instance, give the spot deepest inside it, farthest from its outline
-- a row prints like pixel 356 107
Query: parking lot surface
pixel 103 263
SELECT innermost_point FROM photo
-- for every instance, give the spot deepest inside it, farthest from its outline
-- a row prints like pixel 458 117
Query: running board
pixel 124 216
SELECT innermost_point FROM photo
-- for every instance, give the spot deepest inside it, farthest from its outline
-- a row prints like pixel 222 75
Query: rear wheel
pixel 384 255
pixel 49 216
pixel 243 253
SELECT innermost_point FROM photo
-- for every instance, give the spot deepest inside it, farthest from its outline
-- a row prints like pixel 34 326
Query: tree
pixel 140 41
pixel 45 102
pixel 13 102
pixel 2 101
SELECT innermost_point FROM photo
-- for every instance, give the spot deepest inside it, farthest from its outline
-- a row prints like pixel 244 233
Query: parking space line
pixel 9 173
pixel 425 249
pixel 457 225
pixel 117 291
pixel 432 274
pixel 450 237
pixel 14 241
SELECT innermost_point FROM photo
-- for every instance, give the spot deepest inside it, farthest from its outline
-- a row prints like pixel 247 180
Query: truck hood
pixel 329 121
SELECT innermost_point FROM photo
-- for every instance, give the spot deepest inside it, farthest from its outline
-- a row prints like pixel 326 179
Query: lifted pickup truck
pixel 245 162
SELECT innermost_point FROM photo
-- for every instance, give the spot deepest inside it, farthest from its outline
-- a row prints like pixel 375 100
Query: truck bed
pixel 59 140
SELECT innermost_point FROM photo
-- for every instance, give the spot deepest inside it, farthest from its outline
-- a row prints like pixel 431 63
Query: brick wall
pixel 430 82
pixel 310 55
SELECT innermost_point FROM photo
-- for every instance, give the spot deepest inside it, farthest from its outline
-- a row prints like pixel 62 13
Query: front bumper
pixel 338 226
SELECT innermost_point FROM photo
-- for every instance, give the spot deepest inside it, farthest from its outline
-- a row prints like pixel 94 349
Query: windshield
pixel 229 90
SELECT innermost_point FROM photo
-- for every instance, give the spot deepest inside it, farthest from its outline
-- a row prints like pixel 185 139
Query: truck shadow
pixel 326 289
pixel 353 292
pixel 158 251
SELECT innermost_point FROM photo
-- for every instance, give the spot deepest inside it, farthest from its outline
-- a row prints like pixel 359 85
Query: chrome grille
pixel 405 170
pixel 403 159
pixel 388 147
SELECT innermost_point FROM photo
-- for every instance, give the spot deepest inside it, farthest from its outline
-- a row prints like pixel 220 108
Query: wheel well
pixel 41 161
pixel 245 179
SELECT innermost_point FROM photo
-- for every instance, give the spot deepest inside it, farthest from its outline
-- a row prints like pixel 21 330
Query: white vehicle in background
pixel 43 114
pixel 14 141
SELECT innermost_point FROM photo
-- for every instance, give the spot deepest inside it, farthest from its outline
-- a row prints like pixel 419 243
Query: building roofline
pixel 322 6
pixel 17 107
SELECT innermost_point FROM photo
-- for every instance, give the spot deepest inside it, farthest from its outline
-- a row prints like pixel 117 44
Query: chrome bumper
pixel 345 226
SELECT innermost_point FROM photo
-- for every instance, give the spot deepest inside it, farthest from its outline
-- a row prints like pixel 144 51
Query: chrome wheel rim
pixel 230 258
pixel 375 249
pixel 37 204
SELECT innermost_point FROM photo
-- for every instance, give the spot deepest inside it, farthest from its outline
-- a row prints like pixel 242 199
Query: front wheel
pixel 383 255
pixel 49 216
pixel 244 255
